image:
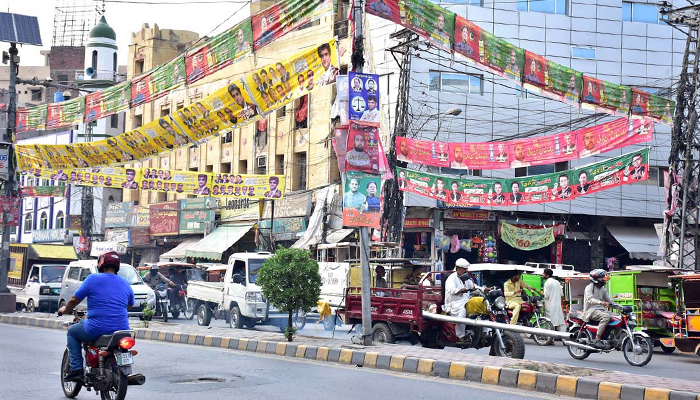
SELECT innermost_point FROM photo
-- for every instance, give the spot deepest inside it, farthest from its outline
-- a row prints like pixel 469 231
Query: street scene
pixel 384 197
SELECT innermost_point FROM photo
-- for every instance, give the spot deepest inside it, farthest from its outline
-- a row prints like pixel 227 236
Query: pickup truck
pixel 237 299
pixel 42 289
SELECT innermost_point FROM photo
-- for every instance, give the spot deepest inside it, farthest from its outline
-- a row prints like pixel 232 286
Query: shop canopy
pixel 339 235
pixel 216 243
pixel 179 251
pixel 640 243
pixel 51 252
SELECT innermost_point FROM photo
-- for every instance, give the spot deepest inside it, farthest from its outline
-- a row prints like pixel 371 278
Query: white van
pixel 41 293
pixel 77 271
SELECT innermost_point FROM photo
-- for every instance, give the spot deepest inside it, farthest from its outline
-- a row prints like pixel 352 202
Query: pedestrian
pixel 552 301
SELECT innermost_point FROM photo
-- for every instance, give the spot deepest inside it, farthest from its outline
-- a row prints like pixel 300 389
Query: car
pixel 77 271
pixel 41 292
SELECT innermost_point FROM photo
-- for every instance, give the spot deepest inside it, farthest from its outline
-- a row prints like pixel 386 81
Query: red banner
pixel 164 219
pixel 10 206
pixel 362 149
pixel 422 152
pixel 614 135
pixel 535 68
pixel 480 155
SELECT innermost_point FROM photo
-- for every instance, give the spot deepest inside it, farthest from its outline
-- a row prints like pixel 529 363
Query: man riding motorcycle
pixel 109 299
pixel 595 302
pixel 177 277
pixel 458 293
pixel 153 278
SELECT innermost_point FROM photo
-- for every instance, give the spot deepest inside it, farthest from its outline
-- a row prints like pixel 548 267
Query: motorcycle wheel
pixel 543 340
pixel 165 312
pixel 175 314
pixel 514 345
pixel 118 389
pixel 646 350
pixel 188 312
pixel 529 323
pixel 575 352
pixel 70 389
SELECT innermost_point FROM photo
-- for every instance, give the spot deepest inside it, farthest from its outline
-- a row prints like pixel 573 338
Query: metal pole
pixel 272 225
pixel 7 299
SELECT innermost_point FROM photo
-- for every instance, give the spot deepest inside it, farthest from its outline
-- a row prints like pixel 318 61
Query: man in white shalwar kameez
pixel 552 301
pixel 457 294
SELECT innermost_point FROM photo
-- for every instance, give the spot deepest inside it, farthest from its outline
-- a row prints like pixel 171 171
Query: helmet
pixel 598 276
pixel 462 263
pixel 110 258
pixel 154 267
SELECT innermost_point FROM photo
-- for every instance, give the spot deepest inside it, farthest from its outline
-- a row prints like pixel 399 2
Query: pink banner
pixel 362 149
pixel 617 134
pixel 480 155
pixel 544 150
pixel 422 152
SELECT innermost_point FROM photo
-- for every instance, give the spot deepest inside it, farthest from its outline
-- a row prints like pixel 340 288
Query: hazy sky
pixel 126 18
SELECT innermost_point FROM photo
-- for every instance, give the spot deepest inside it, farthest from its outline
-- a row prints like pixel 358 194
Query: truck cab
pixel 43 287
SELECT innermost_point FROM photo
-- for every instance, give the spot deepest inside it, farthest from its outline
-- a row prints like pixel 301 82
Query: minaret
pixel 101 53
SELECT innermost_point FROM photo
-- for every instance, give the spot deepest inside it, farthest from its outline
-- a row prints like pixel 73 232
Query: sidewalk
pixel 529 375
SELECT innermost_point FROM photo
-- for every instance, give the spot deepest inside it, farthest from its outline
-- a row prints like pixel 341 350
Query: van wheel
pixel 203 315
pixel 381 333
pixel 30 306
pixel 235 318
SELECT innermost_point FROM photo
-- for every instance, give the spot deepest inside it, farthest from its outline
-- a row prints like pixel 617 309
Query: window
pixel 37 95
pixel 243 167
pixel 94 61
pixel 638 12
pixel 583 52
pixel 456 83
pixel 544 6
pixel 138 67
pixel 114 121
pixel 84 273
pixel 279 164
pixel 44 221
pixel 541 169
pixel 300 166
pixel 59 220
pixel 28 223
pixel 137 121
pixel 114 62
pixel 281 112
pixel 74 273
pixel 63 79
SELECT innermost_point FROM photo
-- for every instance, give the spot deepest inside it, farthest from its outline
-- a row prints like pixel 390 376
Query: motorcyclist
pixel 178 277
pixel 109 298
pixel 458 293
pixel 595 302
pixel 153 278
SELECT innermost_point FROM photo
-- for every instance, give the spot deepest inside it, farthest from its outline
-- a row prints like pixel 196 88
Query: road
pixel 676 365
pixel 181 372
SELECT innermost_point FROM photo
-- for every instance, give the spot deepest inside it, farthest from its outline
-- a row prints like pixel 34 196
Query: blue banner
pixel 364 99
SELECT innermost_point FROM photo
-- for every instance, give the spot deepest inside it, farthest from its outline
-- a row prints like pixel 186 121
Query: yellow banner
pixel 248 186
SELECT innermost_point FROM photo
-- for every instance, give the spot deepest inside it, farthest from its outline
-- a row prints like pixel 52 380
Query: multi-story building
pixel 619 41
pixel 27 95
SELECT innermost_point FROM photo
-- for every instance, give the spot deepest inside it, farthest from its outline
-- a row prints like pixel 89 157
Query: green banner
pixel 432 21
pixel 563 81
pixel 43 191
pixel 503 57
pixel 618 171
pixel 526 239
pixel 168 77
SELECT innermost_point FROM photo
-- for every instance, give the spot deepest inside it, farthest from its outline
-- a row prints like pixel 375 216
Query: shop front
pixel 468 234
pixel 528 240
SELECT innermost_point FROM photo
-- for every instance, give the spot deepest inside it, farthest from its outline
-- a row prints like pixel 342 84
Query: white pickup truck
pixel 42 289
pixel 237 299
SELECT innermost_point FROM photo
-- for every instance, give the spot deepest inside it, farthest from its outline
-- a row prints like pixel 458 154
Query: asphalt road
pixel 31 360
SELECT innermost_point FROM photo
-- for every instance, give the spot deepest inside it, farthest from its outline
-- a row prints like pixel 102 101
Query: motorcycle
pixel 162 300
pixel 180 302
pixel 531 316
pixel 106 364
pixel 637 347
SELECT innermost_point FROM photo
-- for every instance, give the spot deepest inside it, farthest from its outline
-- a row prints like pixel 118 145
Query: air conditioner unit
pixel 261 162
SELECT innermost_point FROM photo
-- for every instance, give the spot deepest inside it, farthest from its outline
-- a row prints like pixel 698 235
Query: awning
pixel 51 252
pixel 640 243
pixel 338 235
pixel 179 251
pixel 216 243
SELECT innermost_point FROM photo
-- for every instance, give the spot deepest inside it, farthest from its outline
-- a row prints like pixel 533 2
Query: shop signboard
pixel 290 206
pixel 195 215
pixel 141 217
pixel 284 228
pixel 236 209
pixel 475 215
pixel 118 215
pixel 76 222
pixel 117 235
pixel 418 223
pixel 48 235
pixel 99 248
pixel 139 237
pixel 164 219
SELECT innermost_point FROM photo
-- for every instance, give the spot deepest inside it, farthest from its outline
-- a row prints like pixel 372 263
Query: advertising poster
pixel 108 101
pixel 56 156
pixel 563 83
pixel 495 155
pixel 242 43
pixel 536 73
pixel 167 77
pixel 164 219
pixel 468 192
pixel 607 97
pixel 278 84
pixel 361 201
pixel 591 91
pixel 430 21
pixel 468 40
pixel 141 89
pixel 655 107
pixel 103 152
pixel 219 51
pixel 502 57
pixel 544 150
pixel 161 180
pixel 226 108
pixel 422 152
pixel 195 214
pixel 31 119
pixel 363 145
pixel 65 113
pixel 614 135
pixel 248 186
pixel 428 185
pixel 124 178
pixel 606 174
pixel 285 16
pixel 364 99
pixel 526 239
pixel 540 188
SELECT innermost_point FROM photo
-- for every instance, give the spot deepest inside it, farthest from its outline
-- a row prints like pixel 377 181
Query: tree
pixel 290 281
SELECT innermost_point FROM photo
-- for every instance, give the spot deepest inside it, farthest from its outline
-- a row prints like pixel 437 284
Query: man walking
pixel 552 301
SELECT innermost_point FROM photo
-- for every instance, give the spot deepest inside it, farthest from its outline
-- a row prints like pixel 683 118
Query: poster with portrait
pixel 474 192
pixel 591 92
pixel 468 41
pixel 166 133
pixel 651 106
pixel 31 119
pixel 165 180
pixel 494 155
pixel 540 188
pixel 503 58
pixel 422 183
pixel 122 178
pixel 627 168
pixel 51 156
pixel 277 84
pixel 544 150
pixel 167 77
pixel 613 135
pixel 9 208
pixel 536 73
pixel 362 152
pixel 285 16
pixel 430 21
pixel 424 152
pixel 141 143
pixel 613 99
pixel 364 99
pixel 361 199
pixel 66 113
pixel 103 152
pixel 563 83
pixel 224 109
pixel 141 89
pixel 108 101
pixel 340 142
pixel 248 186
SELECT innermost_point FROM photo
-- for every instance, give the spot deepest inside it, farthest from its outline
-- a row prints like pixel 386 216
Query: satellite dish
pixel 89 71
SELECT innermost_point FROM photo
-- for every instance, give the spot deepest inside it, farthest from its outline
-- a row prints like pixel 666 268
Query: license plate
pixel 125 359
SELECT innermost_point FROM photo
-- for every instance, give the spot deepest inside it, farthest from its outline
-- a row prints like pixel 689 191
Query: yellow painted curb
pixel 609 391
pixel 396 363
pixel 458 370
pixel 207 340
pixel 371 359
pixel 242 344
pixel 322 354
pixel 161 335
pixel 425 366
pixel 281 348
pixel 262 347
pixel 176 337
pixel 191 339
pixel 527 380
pixel 566 385
pixel 656 394
pixel 225 342
pixel 345 356
pixel 490 375
pixel 301 351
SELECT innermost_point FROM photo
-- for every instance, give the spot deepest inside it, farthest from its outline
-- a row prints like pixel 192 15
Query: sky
pixel 127 17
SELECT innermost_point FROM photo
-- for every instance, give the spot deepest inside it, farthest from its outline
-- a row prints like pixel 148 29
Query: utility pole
pixel 87 204
pixel 681 220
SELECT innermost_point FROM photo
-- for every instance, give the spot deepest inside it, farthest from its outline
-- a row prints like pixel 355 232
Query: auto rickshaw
pixel 686 327
pixel 646 288
pixel 574 286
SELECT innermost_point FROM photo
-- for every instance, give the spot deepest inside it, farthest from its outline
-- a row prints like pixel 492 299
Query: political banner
pixel 249 186
pixel 478 155
pixel 164 219
pixel 103 152
pixel 124 178
pixel 364 99
pixel 468 41
pixel 615 135
pixel 146 141
pixel 293 77
pixel 50 156
pixel 106 102
pixel 219 51
pixel 472 192
pixel 9 206
pixel 540 188
pixel 422 16
pixel 526 239
pixel 651 106
pixel 31 119
pixel 283 17
pixel 65 113
pixel 606 174
pixel 163 180
pixel 43 191
pixel 544 150
pixel 364 144
pixel 562 83
pixel 422 152
pixel 606 97
pixel 141 89
pixel 535 70
pixel 166 78
pixel 340 142
pixel 361 203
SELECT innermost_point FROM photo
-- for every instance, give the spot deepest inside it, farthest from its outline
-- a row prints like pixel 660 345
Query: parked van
pixel 77 271
pixel 41 292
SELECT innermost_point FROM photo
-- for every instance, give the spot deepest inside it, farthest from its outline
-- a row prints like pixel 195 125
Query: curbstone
pixel 358 358
pixel 322 354
pixel 656 394
pixel 271 347
pixel 546 383
pixel 207 340
pixel 183 338
pixel 176 336
pixel 199 340
pixel 345 356
pixel 446 369
pixel 383 361
pixel 410 365
pixel 301 350
pixel 473 373
pixel 191 340
pixel 233 343
pixel 252 345
pixel 609 391
pixel 333 355
pixel 566 385
pixel 262 346
pixel 587 389
pixel 281 348
pixel 161 335
pixel 678 395
pixel 291 350
pixel 311 352
pixel 396 363
pixel 527 380
pixel 225 342
pixel 242 344
pixel 371 359
pixel 169 337
pixel 489 375
pixel 425 366
pixel 216 341
pixel 508 377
